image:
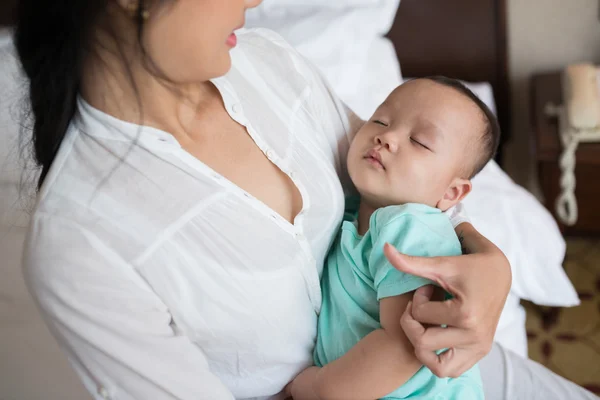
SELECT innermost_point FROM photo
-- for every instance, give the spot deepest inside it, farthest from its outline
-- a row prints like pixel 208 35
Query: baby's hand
pixel 302 387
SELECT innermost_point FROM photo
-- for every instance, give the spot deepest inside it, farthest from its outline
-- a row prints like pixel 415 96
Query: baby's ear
pixel 457 190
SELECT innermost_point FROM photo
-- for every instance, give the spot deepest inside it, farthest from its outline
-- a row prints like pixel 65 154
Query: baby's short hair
pixel 490 137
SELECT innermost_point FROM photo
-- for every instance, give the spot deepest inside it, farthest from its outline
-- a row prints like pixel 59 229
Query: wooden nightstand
pixel 546 88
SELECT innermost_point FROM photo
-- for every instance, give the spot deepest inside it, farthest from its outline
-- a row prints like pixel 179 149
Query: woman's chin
pixel 222 66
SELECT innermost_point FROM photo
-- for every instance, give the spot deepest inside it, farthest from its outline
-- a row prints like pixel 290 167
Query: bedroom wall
pixel 544 35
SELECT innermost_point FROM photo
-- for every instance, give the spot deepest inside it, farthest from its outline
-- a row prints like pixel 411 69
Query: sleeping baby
pixel 410 162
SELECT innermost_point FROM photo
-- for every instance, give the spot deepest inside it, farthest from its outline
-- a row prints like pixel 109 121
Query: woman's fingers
pixel 446 312
pixel 423 295
pixel 437 338
pixel 429 359
pixel 431 312
pixel 412 328
pixel 418 266
pixel 436 269
pixel 449 364
pixel 479 283
pixel 426 340
pixel 417 334
pixel 455 362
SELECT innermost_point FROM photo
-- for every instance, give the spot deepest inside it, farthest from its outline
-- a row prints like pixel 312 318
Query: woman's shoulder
pixel 107 190
pixel 268 54
pixel 263 41
pixel 272 65
pixel 264 35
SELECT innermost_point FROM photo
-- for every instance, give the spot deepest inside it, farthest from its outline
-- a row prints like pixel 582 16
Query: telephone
pixel 579 122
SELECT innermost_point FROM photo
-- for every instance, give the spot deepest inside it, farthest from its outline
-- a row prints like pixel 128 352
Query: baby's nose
pixel 388 142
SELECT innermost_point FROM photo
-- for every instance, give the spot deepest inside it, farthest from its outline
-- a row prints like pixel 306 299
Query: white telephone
pixel 579 122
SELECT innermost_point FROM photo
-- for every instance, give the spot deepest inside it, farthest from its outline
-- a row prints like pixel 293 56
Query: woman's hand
pixel 479 282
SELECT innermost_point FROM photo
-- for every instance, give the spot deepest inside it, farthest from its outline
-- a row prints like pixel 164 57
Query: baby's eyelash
pixel 420 144
pixel 378 122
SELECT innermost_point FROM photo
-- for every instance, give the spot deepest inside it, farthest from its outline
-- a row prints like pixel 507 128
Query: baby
pixel 410 162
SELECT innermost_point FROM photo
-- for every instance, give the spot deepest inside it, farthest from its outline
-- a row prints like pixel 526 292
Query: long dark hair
pixel 52 39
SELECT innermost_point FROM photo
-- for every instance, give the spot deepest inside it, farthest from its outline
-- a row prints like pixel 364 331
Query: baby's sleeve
pixel 412 233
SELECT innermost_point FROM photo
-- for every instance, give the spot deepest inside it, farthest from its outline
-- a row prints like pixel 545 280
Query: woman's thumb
pixel 420 266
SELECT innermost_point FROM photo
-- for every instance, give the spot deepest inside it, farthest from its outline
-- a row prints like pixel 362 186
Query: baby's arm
pixel 377 365
pixel 383 360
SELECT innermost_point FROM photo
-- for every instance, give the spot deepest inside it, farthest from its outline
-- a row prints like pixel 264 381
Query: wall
pixel 544 35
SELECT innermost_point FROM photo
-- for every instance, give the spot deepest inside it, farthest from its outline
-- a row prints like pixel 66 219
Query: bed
pixel 349 41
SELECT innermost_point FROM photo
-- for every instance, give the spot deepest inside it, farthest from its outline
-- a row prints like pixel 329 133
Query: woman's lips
pixel 232 40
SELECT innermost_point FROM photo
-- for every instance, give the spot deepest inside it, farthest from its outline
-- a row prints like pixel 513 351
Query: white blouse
pixel 162 279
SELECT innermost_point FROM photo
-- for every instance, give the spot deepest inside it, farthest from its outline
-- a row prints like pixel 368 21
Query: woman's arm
pixel 120 337
pixel 479 281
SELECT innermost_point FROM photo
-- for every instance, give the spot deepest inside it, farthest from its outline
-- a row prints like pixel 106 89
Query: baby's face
pixel 415 146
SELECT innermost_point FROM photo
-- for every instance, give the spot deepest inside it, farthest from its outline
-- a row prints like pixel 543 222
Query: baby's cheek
pixel 427 185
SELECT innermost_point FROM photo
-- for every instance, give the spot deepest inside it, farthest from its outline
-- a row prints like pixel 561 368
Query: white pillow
pixel 10 82
pixel 15 196
pixel 484 91
pixel 515 221
pixel 345 39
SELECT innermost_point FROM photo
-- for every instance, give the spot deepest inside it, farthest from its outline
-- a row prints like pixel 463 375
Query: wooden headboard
pixel 7 12
pixel 463 39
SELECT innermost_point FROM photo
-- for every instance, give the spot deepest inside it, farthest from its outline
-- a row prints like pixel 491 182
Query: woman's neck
pixel 364 215
pixel 116 82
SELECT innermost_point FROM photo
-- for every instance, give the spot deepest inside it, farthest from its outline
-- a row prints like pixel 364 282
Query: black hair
pixel 490 138
pixel 52 39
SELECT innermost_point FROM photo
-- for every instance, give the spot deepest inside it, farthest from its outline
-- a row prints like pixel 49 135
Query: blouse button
pixel 299 236
pixel 103 393
pixel 270 154
pixel 235 108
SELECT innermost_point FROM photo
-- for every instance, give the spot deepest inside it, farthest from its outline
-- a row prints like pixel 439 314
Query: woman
pixel 188 196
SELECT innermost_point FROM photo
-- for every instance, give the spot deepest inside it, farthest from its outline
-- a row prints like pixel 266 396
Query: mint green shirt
pixel 357 275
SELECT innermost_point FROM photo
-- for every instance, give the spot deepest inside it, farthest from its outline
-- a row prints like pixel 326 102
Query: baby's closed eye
pixel 419 142
pixel 379 122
